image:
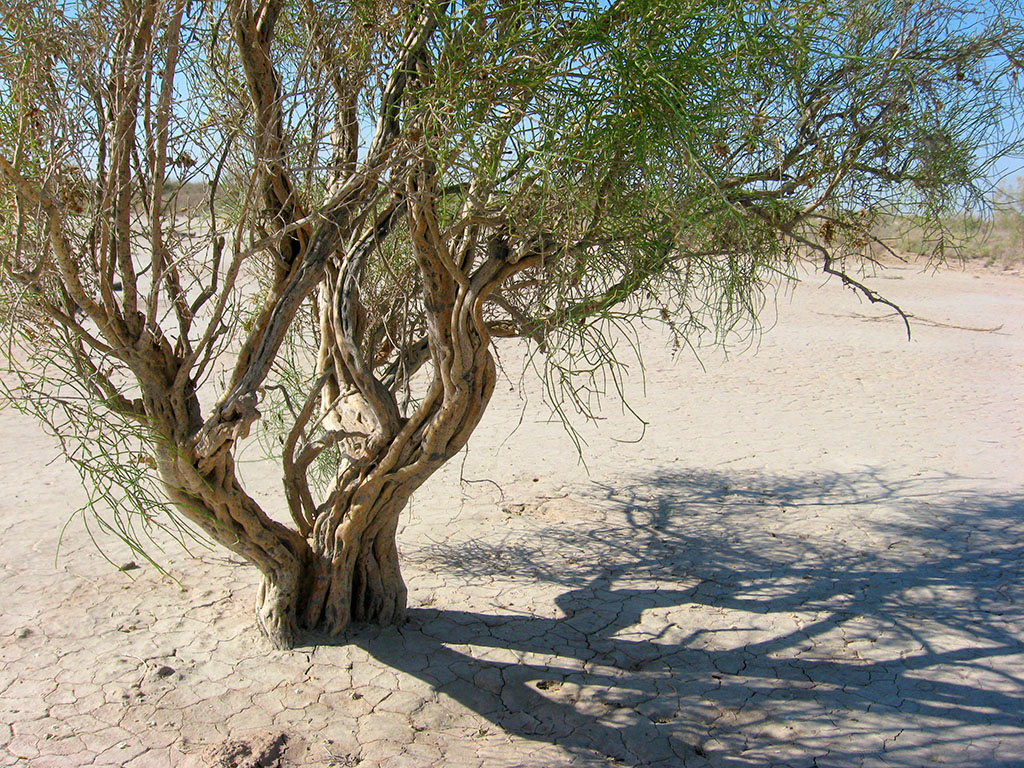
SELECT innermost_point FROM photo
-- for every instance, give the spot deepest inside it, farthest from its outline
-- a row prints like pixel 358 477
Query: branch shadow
pixel 730 619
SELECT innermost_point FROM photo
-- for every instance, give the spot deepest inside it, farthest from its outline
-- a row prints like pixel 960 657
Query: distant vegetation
pixel 190 197
pixel 995 239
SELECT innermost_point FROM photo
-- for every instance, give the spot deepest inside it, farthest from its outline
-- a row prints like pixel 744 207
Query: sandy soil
pixel 813 558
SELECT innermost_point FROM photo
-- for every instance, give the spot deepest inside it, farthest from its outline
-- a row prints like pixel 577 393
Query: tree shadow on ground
pixel 747 620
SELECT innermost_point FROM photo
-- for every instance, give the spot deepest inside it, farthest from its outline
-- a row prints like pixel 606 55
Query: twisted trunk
pixel 352 576
pixel 342 564
pixel 215 501
pixel 347 569
pixel 354 570
pixel 352 573
pixel 355 575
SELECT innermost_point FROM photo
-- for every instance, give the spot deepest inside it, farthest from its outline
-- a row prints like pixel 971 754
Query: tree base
pixel 330 596
pixel 275 614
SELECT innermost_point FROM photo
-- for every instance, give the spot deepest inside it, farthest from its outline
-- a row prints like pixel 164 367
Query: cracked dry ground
pixel 813 558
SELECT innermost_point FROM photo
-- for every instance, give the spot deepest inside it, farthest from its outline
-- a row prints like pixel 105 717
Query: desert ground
pixel 812 558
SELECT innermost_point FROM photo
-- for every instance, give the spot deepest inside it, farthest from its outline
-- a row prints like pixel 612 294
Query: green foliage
pixel 110 452
pixel 685 154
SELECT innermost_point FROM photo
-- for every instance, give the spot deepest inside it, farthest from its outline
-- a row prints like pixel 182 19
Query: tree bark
pixel 354 573
pixel 342 565
pixel 356 576
pixel 276 605
pixel 347 569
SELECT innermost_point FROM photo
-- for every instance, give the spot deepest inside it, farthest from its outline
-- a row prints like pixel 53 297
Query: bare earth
pixel 814 557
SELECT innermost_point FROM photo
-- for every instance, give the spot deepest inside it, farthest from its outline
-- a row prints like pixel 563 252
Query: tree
pixel 328 211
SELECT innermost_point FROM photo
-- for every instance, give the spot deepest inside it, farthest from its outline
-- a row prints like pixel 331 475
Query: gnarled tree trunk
pixel 354 572
pixel 346 567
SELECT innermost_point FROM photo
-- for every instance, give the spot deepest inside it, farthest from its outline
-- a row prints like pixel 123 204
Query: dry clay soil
pixel 812 558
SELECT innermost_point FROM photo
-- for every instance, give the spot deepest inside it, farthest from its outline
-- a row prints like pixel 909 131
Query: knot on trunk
pixel 230 422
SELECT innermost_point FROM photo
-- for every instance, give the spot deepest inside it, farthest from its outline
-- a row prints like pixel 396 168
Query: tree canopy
pixel 326 212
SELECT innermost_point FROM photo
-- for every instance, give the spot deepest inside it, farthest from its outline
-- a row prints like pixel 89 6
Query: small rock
pixel 23 633
pixel 131 565
pixel 164 671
